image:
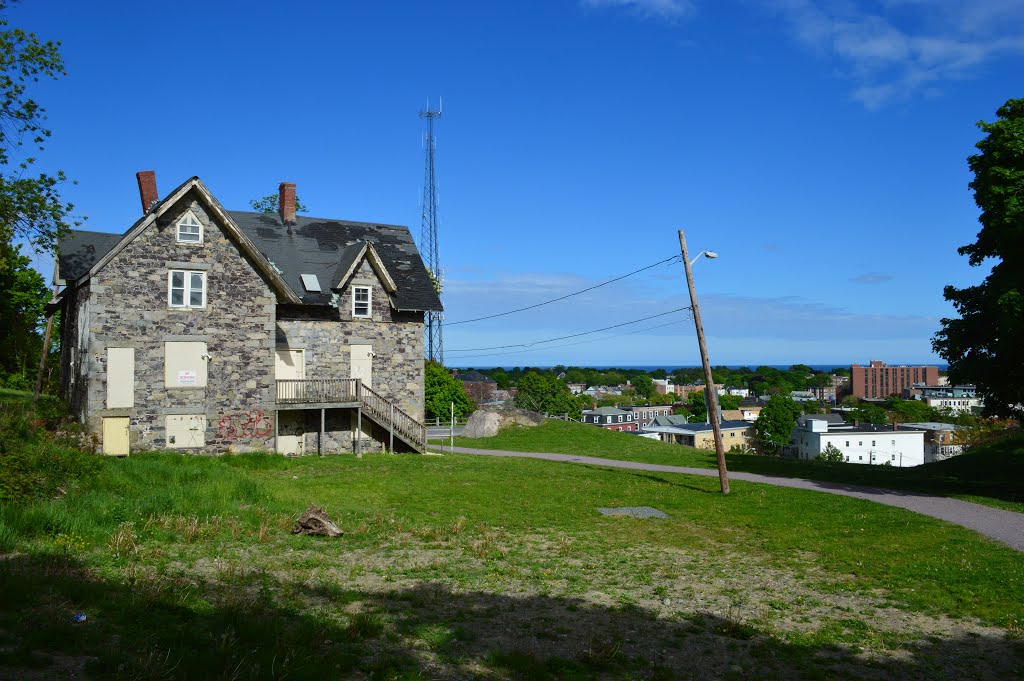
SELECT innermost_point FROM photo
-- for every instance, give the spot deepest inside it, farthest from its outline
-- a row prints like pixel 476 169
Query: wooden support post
pixel 320 442
pixel 391 428
pixel 359 432
pixel 277 430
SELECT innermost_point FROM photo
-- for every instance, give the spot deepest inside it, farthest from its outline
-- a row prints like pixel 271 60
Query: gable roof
pixel 474 377
pixel 331 249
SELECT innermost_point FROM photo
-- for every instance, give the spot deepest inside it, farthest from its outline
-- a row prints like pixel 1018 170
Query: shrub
pixel 831 454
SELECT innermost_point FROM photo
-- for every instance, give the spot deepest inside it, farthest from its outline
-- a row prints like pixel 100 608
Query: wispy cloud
pixel 871 278
pixel 894 49
pixel 649 9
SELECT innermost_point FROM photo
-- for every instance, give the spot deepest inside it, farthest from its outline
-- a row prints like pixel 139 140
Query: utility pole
pixel 709 381
pixel 428 239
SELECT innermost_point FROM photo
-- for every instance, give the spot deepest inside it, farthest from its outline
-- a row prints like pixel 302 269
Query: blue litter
pixel 80 617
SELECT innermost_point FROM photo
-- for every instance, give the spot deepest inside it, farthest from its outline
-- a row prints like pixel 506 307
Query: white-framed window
pixel 620 419
pixel 186 288
pixel 190 230
pixel 360 301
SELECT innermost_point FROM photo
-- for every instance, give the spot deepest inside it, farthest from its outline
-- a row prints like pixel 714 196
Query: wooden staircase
pixel 350 392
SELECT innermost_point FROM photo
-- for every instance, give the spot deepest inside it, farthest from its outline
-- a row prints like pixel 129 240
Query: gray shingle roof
pixel 326 247
pixel 80 250
pixel 317 246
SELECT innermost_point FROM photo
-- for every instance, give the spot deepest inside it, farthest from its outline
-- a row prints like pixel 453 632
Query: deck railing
pixel 316 390
pixel 379 408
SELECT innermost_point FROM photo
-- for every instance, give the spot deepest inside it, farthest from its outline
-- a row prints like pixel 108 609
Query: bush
pixel 831 454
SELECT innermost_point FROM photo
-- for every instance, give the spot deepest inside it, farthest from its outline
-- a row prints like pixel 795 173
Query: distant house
pixel 577 388
pixel 879 445
pixel 701 435
pixel 940 439
pixel 479 387
pixel 742 414
pixel 957 399
pixel 611 418
pixel 644 415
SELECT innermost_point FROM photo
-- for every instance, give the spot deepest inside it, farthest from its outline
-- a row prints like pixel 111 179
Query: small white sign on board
pixel 186 378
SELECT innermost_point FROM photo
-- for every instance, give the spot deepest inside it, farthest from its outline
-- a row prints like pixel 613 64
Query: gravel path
pixel 1004 526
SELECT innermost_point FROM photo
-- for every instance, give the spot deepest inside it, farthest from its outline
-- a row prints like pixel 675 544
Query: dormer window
pixel 361 301
pixel 190 230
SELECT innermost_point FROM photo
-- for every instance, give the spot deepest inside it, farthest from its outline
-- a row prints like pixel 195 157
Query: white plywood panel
pixel 289 364
pixel 185 364
pixel 185 431
pixel 120 377
pixel 362 363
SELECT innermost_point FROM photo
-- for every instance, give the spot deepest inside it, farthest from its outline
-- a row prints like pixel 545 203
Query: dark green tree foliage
pixel 774 425
pixel 869 413
pixel 440 389
pixel 644 386
pixel 269 203
pixel 984 345
pixel 544 393
pixel 31 209
pixel 23 293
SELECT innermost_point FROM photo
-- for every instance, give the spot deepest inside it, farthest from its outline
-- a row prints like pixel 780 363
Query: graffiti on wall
pixel 250 424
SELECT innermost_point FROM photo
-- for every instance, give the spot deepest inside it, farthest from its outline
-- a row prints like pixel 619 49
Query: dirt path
pixel 1004 526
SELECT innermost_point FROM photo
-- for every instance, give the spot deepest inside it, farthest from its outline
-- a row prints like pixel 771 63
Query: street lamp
pixel 709 381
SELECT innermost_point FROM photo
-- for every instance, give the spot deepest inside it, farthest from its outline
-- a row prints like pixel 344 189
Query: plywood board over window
pixel 115 435
pixel 185 364
pixel 185 431
pixel 120 377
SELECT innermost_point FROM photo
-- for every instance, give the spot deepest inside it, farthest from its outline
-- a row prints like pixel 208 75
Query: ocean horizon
pixel 672 367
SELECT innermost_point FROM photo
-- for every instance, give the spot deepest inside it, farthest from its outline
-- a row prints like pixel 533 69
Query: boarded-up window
pixel 185 364
pixel 185 431
pixel 120 377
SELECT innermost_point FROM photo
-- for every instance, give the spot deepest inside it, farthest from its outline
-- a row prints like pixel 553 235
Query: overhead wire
pixel 572 335
pixel 569 345
pixel 568 295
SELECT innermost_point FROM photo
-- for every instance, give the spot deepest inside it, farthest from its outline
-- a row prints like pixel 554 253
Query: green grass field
pixel 475 567
pixel 993 476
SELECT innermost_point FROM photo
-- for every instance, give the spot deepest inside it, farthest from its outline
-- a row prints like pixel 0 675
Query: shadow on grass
pixel 254 625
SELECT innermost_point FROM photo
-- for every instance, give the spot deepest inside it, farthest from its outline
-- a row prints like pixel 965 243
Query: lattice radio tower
pixel 428 239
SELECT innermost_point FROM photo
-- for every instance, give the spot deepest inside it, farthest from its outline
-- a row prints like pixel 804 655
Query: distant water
pixel 672 367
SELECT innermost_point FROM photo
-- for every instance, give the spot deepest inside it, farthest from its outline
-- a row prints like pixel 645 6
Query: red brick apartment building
pixel 879 380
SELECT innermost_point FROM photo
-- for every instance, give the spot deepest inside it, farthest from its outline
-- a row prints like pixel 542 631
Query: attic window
pixel 190 229
pixel 310 282
pixel 360 301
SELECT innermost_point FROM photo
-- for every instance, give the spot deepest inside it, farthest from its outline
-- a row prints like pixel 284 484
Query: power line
pixel 569 295
pixel 573 335
pixel 569 345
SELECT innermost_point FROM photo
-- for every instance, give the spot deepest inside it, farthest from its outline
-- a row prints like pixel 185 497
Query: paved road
pixel 1004 526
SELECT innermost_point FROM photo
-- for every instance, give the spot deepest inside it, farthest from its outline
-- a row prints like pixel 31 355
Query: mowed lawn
pixel 476 567
pixel 993 475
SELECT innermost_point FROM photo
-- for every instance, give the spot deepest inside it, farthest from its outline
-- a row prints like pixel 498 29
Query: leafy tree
pixel 544 393
pixel 774 425
pixel 831 454
pixel 820 381
pixel 440 389
pixel 984 345
pixel 31 209
pixel 269 204
pixel 24 293
pixel 870 413
pixel 644 386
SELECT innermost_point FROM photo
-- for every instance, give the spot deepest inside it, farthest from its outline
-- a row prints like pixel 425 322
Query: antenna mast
pixel 428 240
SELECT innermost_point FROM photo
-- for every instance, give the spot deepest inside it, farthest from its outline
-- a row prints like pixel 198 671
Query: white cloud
pixel 896 49
pixel 650 9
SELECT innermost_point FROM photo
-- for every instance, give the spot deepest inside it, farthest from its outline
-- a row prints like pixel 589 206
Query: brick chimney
pixel 286 203
pixel 147 189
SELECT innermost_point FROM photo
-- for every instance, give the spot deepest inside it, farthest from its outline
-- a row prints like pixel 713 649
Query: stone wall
pixel 129 308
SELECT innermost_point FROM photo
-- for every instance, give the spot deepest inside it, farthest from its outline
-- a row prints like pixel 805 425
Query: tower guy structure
pixel 428 240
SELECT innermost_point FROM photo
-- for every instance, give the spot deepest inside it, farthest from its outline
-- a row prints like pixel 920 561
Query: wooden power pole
pixel 709 381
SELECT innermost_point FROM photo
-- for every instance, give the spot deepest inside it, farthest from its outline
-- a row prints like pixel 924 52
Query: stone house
pixel 207 330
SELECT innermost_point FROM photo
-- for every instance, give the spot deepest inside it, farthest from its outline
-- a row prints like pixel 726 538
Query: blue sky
pixel 819 147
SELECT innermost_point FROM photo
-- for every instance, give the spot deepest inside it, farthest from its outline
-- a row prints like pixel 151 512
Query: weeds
pixel 123 541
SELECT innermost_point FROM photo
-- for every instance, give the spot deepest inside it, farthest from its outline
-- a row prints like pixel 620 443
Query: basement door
pixel 115 435
pixel 362 363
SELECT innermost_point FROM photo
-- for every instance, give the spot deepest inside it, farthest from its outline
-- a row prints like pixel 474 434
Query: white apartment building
pixel 860 444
